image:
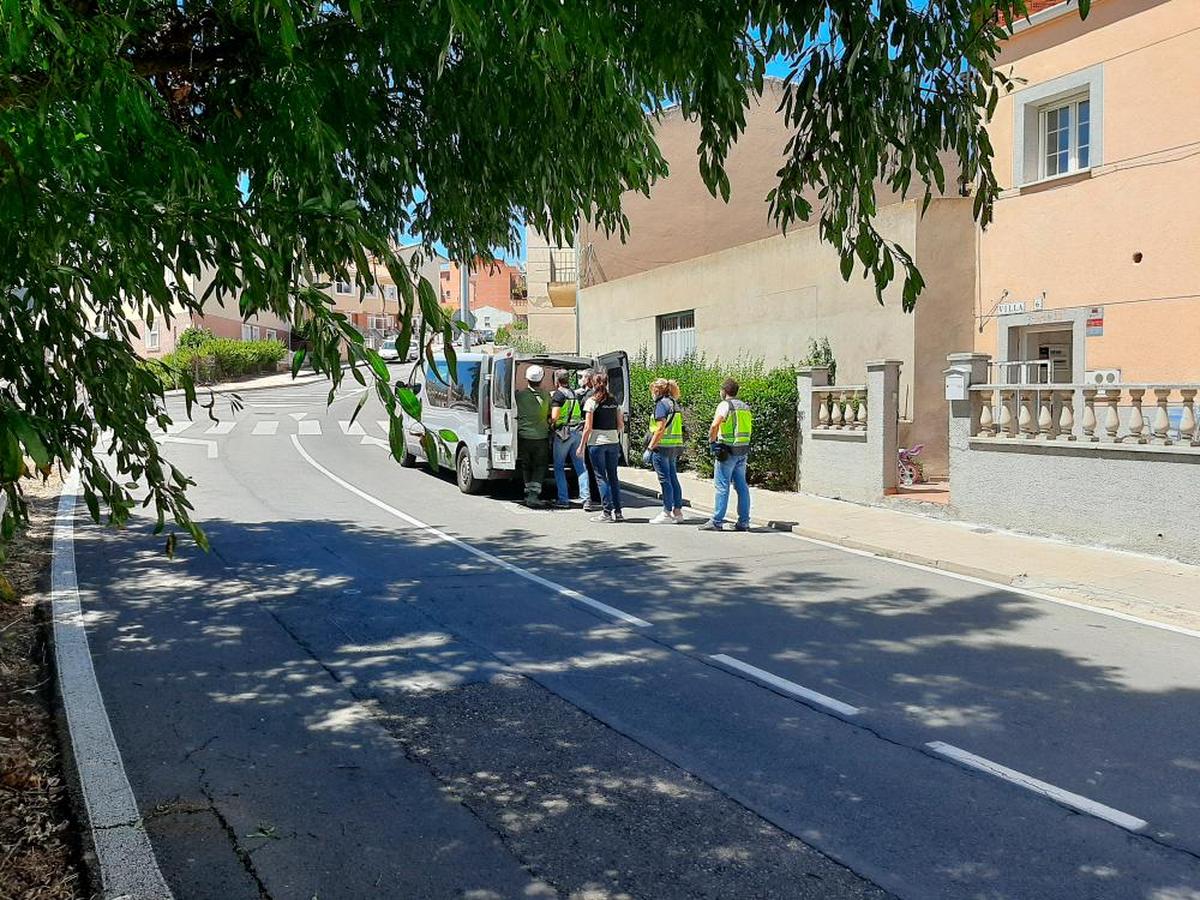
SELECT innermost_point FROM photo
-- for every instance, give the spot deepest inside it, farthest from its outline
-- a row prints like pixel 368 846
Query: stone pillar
pixel 883 412
pixel 964 418
pixel 807 378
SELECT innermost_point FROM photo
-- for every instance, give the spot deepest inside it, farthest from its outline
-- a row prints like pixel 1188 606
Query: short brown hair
pixel 730 387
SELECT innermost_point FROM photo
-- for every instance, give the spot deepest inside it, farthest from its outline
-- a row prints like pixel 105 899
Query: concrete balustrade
pixel 1079 461
pixel 848 433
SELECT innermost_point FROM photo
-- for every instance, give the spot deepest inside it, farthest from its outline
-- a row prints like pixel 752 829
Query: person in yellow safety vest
pixel 566 418
pixel 729 437
pixel 664 447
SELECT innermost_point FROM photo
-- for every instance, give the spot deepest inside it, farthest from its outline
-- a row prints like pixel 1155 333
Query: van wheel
pixel 407 460
pixel 467 482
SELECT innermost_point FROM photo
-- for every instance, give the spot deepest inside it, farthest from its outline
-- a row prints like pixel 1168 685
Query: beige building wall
pixel 554 326
pixel 1077 238
pixel 767 299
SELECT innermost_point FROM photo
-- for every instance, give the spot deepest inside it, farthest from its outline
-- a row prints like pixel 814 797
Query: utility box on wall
pixel 958 382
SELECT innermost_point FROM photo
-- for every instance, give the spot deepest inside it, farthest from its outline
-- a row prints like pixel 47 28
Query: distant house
pixel 491 318
pixel 493 282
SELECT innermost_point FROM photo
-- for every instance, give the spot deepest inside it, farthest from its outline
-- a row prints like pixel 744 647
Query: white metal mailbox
pixel 958 381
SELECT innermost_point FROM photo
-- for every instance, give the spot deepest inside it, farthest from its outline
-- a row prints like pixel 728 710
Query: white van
pixel 473 417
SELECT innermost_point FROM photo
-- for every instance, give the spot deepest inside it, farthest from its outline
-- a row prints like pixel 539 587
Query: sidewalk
pixel 276 379
pixel 1148 587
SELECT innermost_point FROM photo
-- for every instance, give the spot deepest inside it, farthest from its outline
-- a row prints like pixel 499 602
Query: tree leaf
pixel 409 402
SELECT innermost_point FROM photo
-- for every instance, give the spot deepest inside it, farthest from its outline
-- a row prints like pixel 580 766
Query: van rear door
pixel 617 366
pixel 503 415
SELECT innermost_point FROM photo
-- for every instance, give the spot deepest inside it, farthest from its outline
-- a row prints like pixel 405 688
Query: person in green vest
pixel 566 418
pixel 533 435
pixel 664 447
pixel 729 438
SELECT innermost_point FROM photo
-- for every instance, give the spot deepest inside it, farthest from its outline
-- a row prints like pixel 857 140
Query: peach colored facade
pixel 1111 247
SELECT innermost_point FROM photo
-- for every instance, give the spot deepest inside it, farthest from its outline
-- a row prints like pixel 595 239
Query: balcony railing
pixel 563 267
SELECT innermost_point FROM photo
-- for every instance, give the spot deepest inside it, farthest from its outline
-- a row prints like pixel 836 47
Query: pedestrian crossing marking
pixel 179 427
pixel 268 427
pixel 221 428
pixel 298 416
pixel 351 429
pixel 310 426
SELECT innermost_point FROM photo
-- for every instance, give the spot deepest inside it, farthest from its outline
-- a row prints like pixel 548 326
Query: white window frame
pixel 1030 107
pixel 1073 145
pixel 152 337
pixel 250 332
pixel 344 288
pixel 390 292
pixel 676 340
pixel 272 335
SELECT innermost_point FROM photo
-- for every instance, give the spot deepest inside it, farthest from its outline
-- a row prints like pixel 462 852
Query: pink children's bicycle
pixel 910 469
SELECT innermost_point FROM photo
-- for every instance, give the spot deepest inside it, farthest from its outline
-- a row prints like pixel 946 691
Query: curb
pixel 126 867
pixel 852 544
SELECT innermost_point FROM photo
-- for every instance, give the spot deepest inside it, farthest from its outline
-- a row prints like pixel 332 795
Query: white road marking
pixel 353 429
pixel 378 442
pixel 1009 588
pixel 179 427
pixel 788 687
pixel 310 426
pixel 269 426
pixel 209 446
pixel 298 416
pixel 221 428
pixel 1057 794
pixel 384 425
pixel 275 405
pixel 127 864
pixel 468 548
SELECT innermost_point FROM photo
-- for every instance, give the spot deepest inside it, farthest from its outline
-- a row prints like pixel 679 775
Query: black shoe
pixel 618 516
pixel 740 527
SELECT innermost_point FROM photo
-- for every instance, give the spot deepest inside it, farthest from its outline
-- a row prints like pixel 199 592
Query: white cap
pixel 535 374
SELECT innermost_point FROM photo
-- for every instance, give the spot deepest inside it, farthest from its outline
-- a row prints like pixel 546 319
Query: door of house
pixel 1045 350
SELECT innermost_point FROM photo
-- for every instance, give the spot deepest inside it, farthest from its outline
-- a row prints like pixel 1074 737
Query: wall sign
pixel 1095 322
pixel 1013 307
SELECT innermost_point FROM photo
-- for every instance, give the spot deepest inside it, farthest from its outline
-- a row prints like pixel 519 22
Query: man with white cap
pixel 533 435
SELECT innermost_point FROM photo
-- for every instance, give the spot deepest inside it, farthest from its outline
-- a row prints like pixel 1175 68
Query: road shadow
pixel 336 641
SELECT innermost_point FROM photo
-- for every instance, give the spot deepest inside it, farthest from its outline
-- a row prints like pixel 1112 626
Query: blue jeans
pixel 604 465
pixel 666 467
pixel 564 452
pixel 731 470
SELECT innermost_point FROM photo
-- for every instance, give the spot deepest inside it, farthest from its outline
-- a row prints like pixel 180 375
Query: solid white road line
pixel 351 428
pixel 222 428
pixel 1057 794
pixel 1009 588
pixel 127 864
pixel 788 687
pixel 269 426
pixel 310 426
pixel 467 548
pixel 209 446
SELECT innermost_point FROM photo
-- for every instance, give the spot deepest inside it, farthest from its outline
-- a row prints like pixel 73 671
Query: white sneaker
pixel 663 518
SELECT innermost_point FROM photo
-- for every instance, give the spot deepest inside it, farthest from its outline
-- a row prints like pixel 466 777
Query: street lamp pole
pixel 464 299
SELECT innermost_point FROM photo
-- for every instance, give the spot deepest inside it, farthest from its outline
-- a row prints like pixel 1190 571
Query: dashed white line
pixel 221 428
pixel 310 426
pixel 559 589
pixel 788 687
pixel 210 447
pixel 1057 794
pixel 270 426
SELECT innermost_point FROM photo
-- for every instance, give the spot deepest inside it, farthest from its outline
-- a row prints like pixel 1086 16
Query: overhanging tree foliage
pixel 142 141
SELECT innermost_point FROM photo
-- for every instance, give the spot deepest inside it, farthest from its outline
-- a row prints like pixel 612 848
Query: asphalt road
pixel 375 686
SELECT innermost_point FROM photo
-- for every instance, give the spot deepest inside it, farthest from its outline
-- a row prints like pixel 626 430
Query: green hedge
pixel 212 359
pixel 771 394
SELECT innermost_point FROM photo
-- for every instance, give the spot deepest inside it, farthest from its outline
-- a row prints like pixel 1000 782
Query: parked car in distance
pixel 471 416
pixel 388 351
